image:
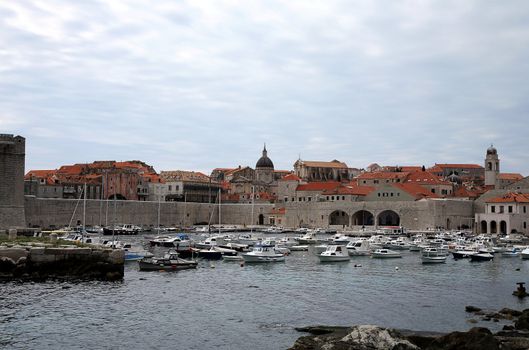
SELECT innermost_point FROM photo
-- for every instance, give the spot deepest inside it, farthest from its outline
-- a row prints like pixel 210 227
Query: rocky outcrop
pixel 365 337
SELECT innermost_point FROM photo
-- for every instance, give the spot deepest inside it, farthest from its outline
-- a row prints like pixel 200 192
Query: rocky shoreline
pixel 369 337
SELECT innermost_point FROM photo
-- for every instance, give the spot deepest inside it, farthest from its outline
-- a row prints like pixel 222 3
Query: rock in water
pixel 470 308
pixel 358 338
pixel 522 323
pixel 475 339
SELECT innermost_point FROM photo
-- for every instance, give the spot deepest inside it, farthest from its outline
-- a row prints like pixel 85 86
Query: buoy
pixel 242 264
pixel 396 268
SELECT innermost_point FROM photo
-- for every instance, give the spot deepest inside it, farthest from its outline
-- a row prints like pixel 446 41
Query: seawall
pixel 46 213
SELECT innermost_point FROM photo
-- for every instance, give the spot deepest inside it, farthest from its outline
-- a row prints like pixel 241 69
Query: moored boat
pixel 433 255
pixel 481 257
pixel 263 253
pixel 525 253
pixel 169 262
pixel 334 253
pixel 385 254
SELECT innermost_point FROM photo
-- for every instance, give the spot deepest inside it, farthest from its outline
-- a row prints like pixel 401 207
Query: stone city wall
pixel 48 212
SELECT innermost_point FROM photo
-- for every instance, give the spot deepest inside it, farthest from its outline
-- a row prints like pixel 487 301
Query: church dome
pixel 264 161
pixel 492 150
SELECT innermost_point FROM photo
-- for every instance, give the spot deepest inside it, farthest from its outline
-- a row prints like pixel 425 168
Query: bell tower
pixel 492 166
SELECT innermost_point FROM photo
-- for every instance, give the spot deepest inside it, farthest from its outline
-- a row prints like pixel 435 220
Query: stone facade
pixel 12 158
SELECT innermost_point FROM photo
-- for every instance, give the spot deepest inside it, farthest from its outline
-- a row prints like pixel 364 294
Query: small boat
pixel 525 253
pixel 308 238
pixel 126 229
pixel 134 253
pixel 232 258
pixel 358 248
pixel 334 253
pixel 481 257
pixel 514 252
pixel 463 254
pixel 209 254
pixel 180 241
pixel 385 254
pixel 169 262
pixel 263 253
pixel 320 248
pixel 340 238
pixel 299 248
pixel 433 255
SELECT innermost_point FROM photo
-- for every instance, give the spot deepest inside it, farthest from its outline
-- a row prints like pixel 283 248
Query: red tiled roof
pixel 182 175
pixel 462 166
pixel 290 177
pixel 155 178
pixel 510 176
pixel 382 175
pixel 318 186
pixel 511 197
pixel 75 169
pixel 425 178
pixel 416 190
pixel 39 173
pixel 350 190
pixel 467 193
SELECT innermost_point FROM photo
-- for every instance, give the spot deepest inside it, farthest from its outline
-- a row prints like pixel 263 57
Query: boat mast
pixel 159 205
pixel 84 212
pixel 220 199
pixel 75 209
pixel 253 204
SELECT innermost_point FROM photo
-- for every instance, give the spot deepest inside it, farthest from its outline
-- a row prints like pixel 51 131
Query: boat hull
pixel 333 258
pixel 263 259
pixel 147 266
pixel 481 257
pixel 433 259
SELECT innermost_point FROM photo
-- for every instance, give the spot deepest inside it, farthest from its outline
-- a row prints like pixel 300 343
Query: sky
pixel 196 85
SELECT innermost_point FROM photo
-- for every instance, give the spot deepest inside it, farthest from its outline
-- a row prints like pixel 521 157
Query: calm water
pixel 222 305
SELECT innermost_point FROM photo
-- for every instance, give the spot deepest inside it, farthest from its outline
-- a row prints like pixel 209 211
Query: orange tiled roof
pixel 318 186
pixel 382 175
pixel 39 173
pixel 415 190
pixel 182 175
pixel 465 192
pixel 425 178
pixel 155 178
pixel 511 197
pixel 510 176
pixel 290 177
pixel 462 166
pixel 319 164
pixel 350 190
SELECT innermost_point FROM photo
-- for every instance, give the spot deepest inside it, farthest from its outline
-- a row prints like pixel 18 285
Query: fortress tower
pixel 492 167
pixel 12 157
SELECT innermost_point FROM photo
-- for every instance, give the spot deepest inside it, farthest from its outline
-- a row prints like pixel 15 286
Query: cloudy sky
pixel 202 84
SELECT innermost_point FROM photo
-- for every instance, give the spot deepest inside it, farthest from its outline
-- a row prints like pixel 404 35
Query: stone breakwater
pixel 368 337
pixel 64 263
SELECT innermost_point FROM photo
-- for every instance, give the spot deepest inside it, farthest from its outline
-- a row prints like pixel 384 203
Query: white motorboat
pixel 358 248
pixel 248 239
pixel 340 238
pixel 181 241
pixel 385 254
pixel 263 253
pixel 513 252
pixel 320 248
pixel 525 253
pixel 209 242
pixel 232 258
pixel 298 248
pixel 308 238
pixel 433 255
pixel 287 241
pixel 334 253
pixel 463 253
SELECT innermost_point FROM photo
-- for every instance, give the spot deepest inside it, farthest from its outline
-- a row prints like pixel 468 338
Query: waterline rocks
pixel 69 262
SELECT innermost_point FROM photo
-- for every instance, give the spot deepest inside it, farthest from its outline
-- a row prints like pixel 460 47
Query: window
pixel 170 187
pixel 510 208
pixel 375 181
pixel 433 190
pixel 525 209
pixel 501 209
pixel 343 198
pixel 378 194
pixel 286 199
pixel 309 198
pixel 391 194
pixel 524 225
pixel 493 209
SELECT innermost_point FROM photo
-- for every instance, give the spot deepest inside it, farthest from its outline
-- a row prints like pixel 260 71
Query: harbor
pixel 229 304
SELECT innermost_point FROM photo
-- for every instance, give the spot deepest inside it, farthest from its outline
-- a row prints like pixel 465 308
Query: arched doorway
pixel 493 227
pixel 261 219
pixel 483 226
pixel 363 218
pixel 339 217
pixel 503 227
pixel 388 218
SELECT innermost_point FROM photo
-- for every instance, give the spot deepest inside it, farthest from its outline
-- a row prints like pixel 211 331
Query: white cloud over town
pixel 203 84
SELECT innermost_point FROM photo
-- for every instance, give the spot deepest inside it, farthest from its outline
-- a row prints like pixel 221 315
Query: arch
pixel 483 226
pixel 339 217
pixel 261 219
pixel 503 227
pixel 493 227
pixel 118 196
pixel 363 218
pixel 388 218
